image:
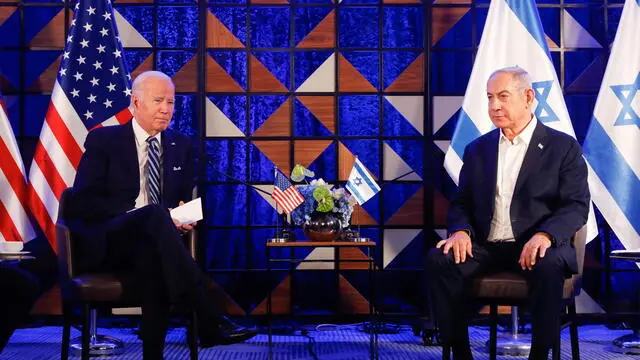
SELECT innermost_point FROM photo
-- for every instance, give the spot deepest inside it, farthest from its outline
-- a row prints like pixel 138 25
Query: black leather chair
pixel 509 288
pixel 97 290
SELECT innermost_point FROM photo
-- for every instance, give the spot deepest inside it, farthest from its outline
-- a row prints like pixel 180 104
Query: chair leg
pixel 493 331
pixel 86 320
pixel 573 329
pixel 446 352
pixel 66 331
pixel 192 336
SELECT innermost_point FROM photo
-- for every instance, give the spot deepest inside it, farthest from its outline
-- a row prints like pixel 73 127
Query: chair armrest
pixel 66 270
pixel 192 243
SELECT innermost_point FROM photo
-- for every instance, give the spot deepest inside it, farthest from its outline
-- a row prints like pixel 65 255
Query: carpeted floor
pixel 328 343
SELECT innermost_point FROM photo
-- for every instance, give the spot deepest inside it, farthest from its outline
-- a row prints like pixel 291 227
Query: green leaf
pixel 325 204
pixel 320 193
pixel 298 172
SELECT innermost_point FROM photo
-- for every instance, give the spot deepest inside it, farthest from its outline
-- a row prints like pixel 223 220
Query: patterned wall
pixel 266 83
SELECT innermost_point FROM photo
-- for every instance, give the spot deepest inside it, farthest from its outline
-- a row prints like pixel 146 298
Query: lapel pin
pixel 540 146
pixel 173 144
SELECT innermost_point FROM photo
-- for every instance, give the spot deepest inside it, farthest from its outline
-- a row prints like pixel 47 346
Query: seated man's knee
pixel 550 264
pixel 155 212
pixel 436 258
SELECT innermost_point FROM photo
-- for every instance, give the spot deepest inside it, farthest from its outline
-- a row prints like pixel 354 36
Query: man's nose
pixel 494 105
pixel 164 107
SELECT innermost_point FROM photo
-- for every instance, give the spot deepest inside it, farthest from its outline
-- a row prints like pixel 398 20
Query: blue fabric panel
pixel 36 62
pixel 234 18
pixel 141 18
pixel 225 205
pixel 133 58
pixel 325 165
pixel 185 120
pixel 373 207
pixel 411 151
pixel 407 258
pixel 35 108
pixel 550 19
pixel 261 107
pixel 270 27
pixel 367 63
pixel 440 178
pixel 234 63
pixel 359 115
pixel 395 124
pixel 580 61
pixel 225 249
pixel 9 30
pixel 226 157
pixel 46 1
pixel 170 61
pixel 234 107
pixel 12 104
pixel 368 153
pixel 305 123
pixel 460 35
pixel 261 212
pixel 36 18
pixel 258 241
pixel 260 167
pixel 306 19
pixel 358 2
pixel 580 111
pixel 311 1
pixel 446 131
pixel 395 63
pixel 232 2
pixel 176 1
pixel 450 72
pixel 278 63
pixel 613 19
pixel 403 26
pixel 306 62
pixel 10 66
pixel 395 195
pixel 591 19
pixel 358 27
pixel 178 26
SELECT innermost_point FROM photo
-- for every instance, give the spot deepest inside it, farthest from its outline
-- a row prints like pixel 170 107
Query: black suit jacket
pixel 551 192
pixel 107 182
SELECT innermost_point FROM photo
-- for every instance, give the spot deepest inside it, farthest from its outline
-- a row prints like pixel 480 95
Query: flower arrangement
pixel 319 198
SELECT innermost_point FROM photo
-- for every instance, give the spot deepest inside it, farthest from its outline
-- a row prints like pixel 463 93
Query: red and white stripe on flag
pixel 14 224
pixel 289 199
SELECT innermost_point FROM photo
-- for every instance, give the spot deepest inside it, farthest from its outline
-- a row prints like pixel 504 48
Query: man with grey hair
pixel 128 178
pixel 522 195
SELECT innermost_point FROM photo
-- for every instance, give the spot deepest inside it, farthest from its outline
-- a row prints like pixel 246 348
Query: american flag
pixel 286 196
pixel 93 88
pixel 15 224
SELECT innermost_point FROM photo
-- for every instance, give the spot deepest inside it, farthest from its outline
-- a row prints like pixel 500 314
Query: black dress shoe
pixel 223 332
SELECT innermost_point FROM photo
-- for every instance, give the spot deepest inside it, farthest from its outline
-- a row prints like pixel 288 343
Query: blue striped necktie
pixel 153 170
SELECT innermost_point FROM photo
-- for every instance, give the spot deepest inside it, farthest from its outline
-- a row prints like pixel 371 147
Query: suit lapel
pixel 491 156
pixel 532 157
pixel 131 150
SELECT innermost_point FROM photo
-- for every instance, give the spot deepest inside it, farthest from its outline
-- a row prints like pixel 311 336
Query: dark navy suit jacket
pixel 551 192
pixel 107 182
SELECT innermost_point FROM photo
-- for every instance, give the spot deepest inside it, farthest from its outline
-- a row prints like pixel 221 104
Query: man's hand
pixel 538 244
pixel 183 228
pixel 460 242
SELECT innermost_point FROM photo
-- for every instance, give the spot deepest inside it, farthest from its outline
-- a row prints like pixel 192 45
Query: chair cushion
pixel 97 287
pixel 511 286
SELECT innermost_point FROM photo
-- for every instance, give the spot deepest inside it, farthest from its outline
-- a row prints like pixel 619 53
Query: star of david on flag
pixel 361 184
pixel 512 36
pixel 611 145
pixel 92 89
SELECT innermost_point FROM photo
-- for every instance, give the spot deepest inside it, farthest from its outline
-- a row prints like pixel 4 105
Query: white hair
pixel 139 82
pixel 519 75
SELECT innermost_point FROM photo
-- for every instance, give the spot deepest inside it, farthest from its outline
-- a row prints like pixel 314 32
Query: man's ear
pixel 530 95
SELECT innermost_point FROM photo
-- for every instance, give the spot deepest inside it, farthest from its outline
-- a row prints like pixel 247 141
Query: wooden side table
pixel 369 247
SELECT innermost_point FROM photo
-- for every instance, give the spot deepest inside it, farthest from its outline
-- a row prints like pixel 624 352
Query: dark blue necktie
pixel 153 170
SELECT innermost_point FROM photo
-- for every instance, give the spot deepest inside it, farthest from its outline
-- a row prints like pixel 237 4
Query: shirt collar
pixel 141 135
pixel 526 134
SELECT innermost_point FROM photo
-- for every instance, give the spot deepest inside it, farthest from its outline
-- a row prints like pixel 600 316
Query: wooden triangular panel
pixel 146 65
pixel 46 80
pixel 6 12
pixel 550 43
pixel 440 209
pixel 411 212
pixel 5 84
pixel 443 19
pixel 221 300
pixel 323 108
pixel 280 299
pixel 52 35
pixel 307 151
pixel 411 79
pixel 350 79
pixel 186 79
pixel 346 161
pixel 360 216
pixel 262 80
pixel 219 35
pixel 277 151
pixel 401 1
pixel 269 2
pixel 323 35
pixel 279 123
pixel 353 254
pixel 218 80
pixel 351 301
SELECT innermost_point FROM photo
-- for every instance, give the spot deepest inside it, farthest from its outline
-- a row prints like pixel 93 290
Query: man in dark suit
pixel 522 195
pixel 128 178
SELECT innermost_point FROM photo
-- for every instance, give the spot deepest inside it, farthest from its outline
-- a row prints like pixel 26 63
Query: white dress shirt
pixel 142 147
pixel 510 157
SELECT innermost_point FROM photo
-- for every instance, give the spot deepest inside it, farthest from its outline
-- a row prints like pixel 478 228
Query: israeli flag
pixel 612 144
pixel 512 36
pixel 360 184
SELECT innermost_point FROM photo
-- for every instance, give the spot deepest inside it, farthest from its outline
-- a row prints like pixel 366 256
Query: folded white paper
pixel 188 213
